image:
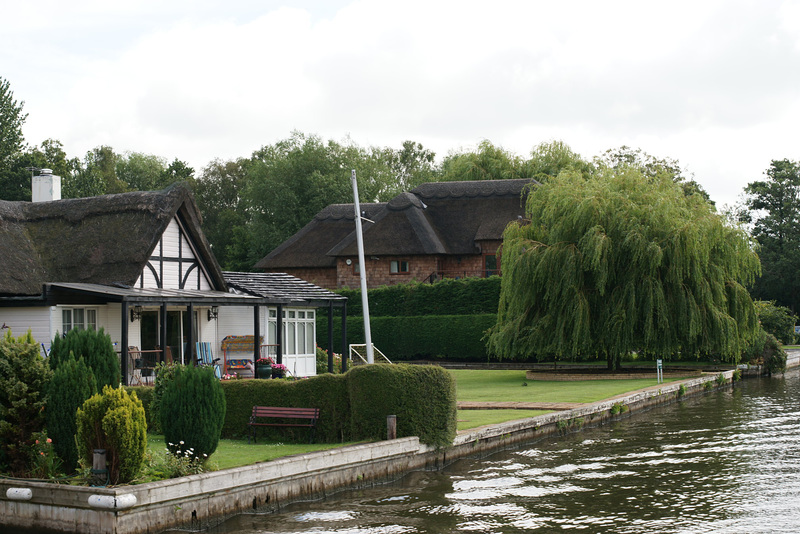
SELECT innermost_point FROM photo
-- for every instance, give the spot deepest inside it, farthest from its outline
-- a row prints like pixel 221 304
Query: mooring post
pixel 391 427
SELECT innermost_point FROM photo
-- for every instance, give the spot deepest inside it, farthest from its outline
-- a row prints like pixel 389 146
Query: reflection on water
pixel 723 462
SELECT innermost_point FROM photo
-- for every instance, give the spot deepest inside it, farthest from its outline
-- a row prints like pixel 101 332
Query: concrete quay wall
pixel 200 501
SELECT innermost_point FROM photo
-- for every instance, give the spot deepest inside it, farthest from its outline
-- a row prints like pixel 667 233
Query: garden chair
pixel 207 358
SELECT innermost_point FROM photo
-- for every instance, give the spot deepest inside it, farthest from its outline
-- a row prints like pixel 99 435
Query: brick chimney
pixel 46 186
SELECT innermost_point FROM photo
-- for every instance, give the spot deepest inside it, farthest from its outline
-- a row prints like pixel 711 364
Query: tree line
pixel 252 204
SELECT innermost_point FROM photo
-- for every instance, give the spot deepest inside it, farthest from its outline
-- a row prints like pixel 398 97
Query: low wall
pixel 200 501
pixel 575 376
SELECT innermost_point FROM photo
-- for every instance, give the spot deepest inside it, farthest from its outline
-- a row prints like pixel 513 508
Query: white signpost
pixel 659 372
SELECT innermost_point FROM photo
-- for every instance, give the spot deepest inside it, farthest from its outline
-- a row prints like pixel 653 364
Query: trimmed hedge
pixel 327 392
pixel 467 296
pixel 353 406
pixel 456 337
pixel 423 397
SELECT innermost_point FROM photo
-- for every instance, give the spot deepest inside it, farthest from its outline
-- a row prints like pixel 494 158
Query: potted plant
pixel 279 370
pixel 264 367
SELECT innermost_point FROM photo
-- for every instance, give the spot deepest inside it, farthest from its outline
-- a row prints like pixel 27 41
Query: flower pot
pixel 277 373
pixel 263 371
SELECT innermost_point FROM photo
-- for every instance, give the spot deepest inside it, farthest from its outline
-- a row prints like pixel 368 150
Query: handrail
pixel 354 349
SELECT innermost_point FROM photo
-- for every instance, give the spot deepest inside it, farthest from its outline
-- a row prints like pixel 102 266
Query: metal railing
pixel 360 353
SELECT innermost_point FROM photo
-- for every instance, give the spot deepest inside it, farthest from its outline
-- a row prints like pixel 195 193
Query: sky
pixel 713 84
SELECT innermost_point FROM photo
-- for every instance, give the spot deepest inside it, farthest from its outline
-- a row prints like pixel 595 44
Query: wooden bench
pixel 271 412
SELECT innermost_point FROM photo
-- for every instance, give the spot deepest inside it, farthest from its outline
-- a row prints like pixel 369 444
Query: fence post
pixel 391 427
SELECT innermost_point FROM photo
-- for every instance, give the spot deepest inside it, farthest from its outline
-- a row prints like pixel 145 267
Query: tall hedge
pixel 423 397
pixel 193 411
pixel 466 296
pixel 72 384
pixel 457 337
pixel 96 349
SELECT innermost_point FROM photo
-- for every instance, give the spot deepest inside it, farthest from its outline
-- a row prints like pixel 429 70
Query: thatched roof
pixel 103 240
pixel 435 218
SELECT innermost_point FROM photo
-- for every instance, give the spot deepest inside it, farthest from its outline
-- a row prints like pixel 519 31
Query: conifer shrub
pixel 96 349
pixel 165 372
pixel 192 411
pixel 72 384
pixel 23 395
pixel 115 421
pixel 423 397
pixel 145 394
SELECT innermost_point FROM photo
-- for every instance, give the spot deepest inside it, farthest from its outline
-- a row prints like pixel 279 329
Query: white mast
pixel 362 268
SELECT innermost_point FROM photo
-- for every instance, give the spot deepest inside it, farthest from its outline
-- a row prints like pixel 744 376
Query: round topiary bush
pixel 114 421
pixel 193 411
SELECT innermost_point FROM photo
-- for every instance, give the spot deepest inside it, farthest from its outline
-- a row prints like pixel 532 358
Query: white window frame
pixel 69 318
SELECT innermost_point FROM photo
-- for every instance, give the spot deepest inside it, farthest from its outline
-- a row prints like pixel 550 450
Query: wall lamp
pixel 213 312
pixel 136 313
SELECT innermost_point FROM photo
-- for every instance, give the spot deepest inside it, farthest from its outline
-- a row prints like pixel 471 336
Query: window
pixel 356 268
pixel 398 267
pixel 490 265
pixel 80 318
pixel 299 336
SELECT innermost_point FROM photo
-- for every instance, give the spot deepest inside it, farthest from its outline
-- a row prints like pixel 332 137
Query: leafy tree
pixel 776 320
pixel 489 162
pixel 177 171
pixel 49 155
pixel 411 166
pixel 23 397
pixel 650 166
pixel 11 120
pixel 619 263
pixel 774 205
pixel 551 158
pixel 98 174
pixel 142 172
pixel 218 192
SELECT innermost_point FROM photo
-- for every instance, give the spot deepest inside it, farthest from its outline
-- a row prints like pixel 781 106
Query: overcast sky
pixel 714 84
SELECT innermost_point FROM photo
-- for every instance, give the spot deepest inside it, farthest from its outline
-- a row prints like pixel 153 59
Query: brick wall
pixel 379 271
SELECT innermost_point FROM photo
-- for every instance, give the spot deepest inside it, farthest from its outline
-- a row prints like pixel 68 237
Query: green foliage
pixel 450 337
pixel 322 361
pixel 192 410
pixel 423 397
pixel 45 463
pixel 466 296
pixel 682 390
pixel 97 350
pixel 72 384
pixel 488 162
pixel 115 421
pixel 23 397
pixel 737 375
pixel 11 140
pixel 146 394
pixel 775 216
pixel 164 374
pixel 720 379
pixel 327 392
pixel 618 408
pixel 776 320
pixel 620 263
pixel 766 350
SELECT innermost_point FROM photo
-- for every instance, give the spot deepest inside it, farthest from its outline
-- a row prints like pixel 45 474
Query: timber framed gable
pixel 175 262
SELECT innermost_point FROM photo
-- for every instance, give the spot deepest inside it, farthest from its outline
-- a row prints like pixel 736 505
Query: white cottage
pixel 138 265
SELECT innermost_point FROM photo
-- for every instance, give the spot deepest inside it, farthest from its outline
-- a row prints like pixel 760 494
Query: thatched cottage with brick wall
pixel 438 230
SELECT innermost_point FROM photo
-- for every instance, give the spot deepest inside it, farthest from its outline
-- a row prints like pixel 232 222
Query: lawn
pixel 472 386
pixel 502 385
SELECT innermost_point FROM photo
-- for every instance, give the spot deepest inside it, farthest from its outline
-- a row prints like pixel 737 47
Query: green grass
pixel 501 385
pixel 474 418
pixel 235 453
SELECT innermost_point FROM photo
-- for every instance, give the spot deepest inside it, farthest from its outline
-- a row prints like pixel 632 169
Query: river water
pixel 727 461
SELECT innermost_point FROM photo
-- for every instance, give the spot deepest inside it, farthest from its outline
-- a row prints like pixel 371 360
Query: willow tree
pixel 623 262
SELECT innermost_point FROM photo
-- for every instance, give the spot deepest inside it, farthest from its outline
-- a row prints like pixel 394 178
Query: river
pixel 727 461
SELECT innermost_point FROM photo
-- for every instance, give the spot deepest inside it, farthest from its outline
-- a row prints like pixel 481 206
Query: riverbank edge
pixel 200 501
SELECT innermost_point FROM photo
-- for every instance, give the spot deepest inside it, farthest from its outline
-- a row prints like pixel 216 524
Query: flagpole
pixel 362 268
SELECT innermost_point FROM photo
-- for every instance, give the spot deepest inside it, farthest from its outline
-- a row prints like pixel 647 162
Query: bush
pixel 72 384
pixel 23 395
pixel 145 394
pixel 96 349
pixel 776 320
pixel 115 421
pixel 165 373
pixel 192 411
pixel 423 397
pixel 766 350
